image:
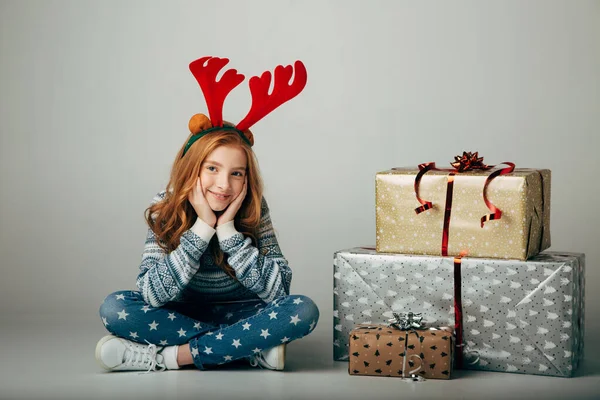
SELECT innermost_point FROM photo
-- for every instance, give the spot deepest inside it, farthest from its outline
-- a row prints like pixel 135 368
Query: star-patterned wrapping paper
pixel 523 196
pixel 518 316
pixel 380 350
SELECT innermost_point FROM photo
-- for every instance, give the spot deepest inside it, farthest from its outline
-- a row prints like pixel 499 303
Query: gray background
pixel 95 98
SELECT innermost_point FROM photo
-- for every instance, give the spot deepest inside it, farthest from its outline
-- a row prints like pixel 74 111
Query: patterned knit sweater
pixel 189 272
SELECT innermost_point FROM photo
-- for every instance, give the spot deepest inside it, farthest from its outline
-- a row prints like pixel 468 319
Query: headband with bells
pixel 205 71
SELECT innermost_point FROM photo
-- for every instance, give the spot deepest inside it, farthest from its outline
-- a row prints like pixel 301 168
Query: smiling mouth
pixel 221 197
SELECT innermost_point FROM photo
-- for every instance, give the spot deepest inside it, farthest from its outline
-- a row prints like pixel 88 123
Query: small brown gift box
pixel 382 350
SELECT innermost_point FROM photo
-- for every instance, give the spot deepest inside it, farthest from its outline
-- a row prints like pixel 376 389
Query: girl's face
pixel 222 175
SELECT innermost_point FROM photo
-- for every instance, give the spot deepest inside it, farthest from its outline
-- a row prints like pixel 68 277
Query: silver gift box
pixel 518 316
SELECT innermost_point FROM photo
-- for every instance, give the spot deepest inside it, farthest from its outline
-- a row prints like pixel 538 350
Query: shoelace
pixel 254 360
pixel 142 357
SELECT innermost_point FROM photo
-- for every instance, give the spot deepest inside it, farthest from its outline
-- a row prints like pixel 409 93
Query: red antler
pixel 215 92
pixel 263 102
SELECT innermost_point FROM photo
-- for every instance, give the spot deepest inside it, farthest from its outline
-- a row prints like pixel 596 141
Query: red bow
pixel 468 161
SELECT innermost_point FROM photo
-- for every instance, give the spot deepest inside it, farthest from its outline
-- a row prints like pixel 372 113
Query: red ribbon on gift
pixel 458 329
pixel 468 161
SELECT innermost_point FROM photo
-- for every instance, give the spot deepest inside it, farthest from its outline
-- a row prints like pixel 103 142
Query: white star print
pixel 171 316
pixel 312 325
pixel 228 315
pixel 133 335
pixel 265 333
pixel 123 315
pixel 207 350
pixel 295 320
pixel 197 325
pixel 228 358
pixel 285 339
pixel 246 326
pixel 209 333
pixel 145 309
pixel 181 332
pixel 163 343
pixel 153 325
pixel 256 350
pixel 273 315
pixel 219 336
pixel 120 297
pixel 236 343
pixel 194 352
pixel 298 300
pixel 105 321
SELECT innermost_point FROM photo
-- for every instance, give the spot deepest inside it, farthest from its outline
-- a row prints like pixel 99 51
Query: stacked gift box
pixel 465 248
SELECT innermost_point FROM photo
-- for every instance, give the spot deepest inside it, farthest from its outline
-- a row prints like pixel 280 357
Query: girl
pixel 213 284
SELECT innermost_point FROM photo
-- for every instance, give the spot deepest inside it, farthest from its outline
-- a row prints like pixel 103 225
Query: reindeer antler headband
pixel 205 71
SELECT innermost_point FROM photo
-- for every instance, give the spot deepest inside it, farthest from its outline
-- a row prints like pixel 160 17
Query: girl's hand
pixel 201 206
pixel 234 206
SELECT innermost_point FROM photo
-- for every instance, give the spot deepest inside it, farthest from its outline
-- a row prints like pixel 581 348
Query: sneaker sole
pixel 281 358
pixel 98 350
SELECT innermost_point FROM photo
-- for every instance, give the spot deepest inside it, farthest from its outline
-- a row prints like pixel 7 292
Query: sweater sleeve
pixel 163 276
pixel 262 269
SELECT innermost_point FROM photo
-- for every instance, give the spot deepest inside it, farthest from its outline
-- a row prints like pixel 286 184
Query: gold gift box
pixel 523 196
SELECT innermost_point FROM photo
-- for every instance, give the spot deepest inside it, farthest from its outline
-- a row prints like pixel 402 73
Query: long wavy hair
pixel 172 216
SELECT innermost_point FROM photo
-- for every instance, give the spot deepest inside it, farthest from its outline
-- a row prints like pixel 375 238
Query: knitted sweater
pixel 189 272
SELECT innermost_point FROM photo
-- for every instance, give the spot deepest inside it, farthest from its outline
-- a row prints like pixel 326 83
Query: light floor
pixel 48 357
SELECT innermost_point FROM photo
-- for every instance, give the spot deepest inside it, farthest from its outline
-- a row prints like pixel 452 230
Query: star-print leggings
pixel 217 333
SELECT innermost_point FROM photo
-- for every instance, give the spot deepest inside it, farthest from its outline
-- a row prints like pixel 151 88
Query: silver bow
pixel 407 321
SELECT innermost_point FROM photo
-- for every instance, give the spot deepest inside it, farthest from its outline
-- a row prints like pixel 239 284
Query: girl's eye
pixel 211 168
pixel 238 173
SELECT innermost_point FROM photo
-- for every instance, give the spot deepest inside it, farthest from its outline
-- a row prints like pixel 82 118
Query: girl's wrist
pixel 226 230
pixel 202 229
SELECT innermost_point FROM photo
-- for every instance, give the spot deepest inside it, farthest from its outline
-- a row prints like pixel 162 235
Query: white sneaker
pixel 118 354
pixel 273 358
